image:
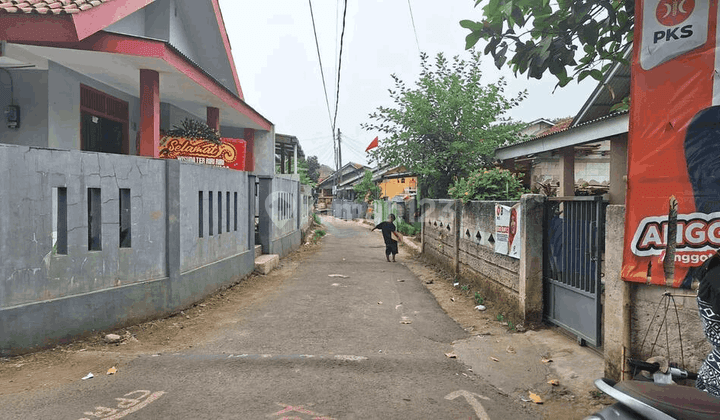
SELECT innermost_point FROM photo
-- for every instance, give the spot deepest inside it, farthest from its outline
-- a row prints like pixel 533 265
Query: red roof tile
pixel 44 7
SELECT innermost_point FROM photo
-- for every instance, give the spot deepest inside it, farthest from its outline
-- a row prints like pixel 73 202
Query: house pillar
pixel 249 138
pixel 567 172
pixel 295 158
pixel 213 118
pixel 618 169
pixel 282 160
pixel 149 113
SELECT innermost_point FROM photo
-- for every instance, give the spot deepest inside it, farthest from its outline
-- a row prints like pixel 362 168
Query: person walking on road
pixel 388 230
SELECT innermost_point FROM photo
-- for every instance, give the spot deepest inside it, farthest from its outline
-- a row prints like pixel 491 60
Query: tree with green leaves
pixel 313 168
pixel 366 189
pixel 448 125
pixel 537 36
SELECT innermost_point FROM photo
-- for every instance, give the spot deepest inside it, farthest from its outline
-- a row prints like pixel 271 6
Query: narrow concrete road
pixel 368 344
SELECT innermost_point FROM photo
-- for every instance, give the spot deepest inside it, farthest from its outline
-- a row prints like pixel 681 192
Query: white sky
pixel 276 59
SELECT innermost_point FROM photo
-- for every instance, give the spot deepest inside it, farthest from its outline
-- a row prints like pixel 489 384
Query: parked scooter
pixel 659 399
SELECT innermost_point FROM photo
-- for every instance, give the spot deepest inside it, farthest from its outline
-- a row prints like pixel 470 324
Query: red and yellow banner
pixel 230 153
pixel 674 142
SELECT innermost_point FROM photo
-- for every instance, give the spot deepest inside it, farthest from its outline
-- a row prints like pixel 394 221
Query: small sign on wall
pixel 507 227
pixel 230 153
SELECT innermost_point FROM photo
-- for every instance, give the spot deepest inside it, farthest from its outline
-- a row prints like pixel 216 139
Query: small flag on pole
pixel 373 144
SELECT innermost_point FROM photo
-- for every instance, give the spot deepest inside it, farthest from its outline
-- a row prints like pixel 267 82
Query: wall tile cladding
pixel 476 251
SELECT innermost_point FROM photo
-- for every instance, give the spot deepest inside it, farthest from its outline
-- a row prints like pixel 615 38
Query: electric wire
pixel 412 19
pixel 342 36
pixel 322 72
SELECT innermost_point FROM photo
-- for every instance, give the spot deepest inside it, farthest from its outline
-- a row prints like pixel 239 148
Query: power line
pixel 322 72
pixel 412 18
pixel 342 36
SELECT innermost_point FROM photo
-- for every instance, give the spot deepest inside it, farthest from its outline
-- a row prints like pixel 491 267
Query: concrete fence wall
pixel 349 210
pixel 634 312
pixel 279 217
pixel 92 241
pixel 461 238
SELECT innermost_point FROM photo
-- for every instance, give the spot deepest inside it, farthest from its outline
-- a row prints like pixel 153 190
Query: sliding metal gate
pixel 573 249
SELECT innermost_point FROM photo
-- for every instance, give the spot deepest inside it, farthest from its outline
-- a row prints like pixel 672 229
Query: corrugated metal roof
pixel 57 7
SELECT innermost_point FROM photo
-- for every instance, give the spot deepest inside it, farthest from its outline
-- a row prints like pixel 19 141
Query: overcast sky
pixel 276 59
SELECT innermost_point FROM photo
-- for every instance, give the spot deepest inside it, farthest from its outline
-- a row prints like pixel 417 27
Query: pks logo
pixel 674 12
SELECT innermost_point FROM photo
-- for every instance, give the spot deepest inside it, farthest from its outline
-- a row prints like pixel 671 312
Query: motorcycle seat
pixel 680 402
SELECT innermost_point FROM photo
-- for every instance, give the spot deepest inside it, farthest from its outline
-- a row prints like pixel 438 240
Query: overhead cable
pixel 322 72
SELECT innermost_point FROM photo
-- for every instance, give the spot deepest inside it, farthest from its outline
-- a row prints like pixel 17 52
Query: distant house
pixel 340 184
pixel 536 127
pixel 394 181
pixel 585 155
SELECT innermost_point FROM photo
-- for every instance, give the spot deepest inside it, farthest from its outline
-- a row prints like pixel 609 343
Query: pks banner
pixel 672 219
pixel 230 153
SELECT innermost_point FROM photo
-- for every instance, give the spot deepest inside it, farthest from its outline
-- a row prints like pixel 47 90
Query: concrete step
pixel 266 263
pixel 258 250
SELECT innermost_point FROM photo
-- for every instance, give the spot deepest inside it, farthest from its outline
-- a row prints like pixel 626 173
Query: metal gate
pixel 574 245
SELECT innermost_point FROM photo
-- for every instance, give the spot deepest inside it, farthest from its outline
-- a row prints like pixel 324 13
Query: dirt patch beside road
pixel 561 401
pixel 191 327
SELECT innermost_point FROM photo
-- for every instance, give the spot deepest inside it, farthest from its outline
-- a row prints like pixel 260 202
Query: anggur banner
pixel 672 219
pixel 230 153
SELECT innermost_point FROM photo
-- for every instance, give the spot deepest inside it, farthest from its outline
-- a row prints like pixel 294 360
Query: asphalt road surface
pixel 368 344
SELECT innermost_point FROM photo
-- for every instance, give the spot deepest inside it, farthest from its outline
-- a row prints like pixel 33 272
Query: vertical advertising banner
pixel 507 237
pixel 229 154
pixel 672 219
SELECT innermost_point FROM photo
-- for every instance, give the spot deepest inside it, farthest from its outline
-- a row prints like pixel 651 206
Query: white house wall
pixel 64 107
pixel 133 24
pixel 30 94
pixel 190 26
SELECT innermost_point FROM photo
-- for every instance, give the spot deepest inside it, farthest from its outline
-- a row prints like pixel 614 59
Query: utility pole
pixel 339 150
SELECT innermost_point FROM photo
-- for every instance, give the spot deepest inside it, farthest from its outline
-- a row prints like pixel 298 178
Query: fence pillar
pixel 265 223
pixel 172 219
pixel 617 311
pixel 251 212
pixel 298 209
pixel 423 222
pixel 457 217
pixel 532 211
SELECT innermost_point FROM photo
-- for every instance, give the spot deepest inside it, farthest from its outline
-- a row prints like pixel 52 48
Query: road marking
pixel 343 357
pixel 131 404
pixel 470 397
pixel 298 409
pixel 350 358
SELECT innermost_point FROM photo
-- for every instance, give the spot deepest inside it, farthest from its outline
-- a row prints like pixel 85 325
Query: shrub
pixel 408 229
pixel 488 184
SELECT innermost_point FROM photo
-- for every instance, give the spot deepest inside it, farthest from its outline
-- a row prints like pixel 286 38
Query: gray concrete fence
pixel 92 241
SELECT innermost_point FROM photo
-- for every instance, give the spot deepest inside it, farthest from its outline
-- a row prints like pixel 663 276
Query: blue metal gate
pixel 573 249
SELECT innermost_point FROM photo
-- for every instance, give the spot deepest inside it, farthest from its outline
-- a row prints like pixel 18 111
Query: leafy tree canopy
pixel 569 38
pixel 313 168
pixel 447 125
pixel 366 189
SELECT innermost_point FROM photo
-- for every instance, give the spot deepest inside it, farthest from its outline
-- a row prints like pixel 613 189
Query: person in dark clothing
pixel 388 230
pixel 708 300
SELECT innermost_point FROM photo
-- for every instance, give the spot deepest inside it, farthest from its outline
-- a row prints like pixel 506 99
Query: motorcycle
pixel 659 399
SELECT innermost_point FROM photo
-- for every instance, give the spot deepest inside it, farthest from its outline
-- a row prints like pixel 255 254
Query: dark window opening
pixel 125 212
pixel 104 122
pixel 227 211
pixel 60 221
pixel 94 220
pixel 236 208
pixel 219 212
pixel 210 209
pixel 200 214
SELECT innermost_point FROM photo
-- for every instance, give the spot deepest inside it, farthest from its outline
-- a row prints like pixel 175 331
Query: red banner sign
pixel 230 153
pixel 674 143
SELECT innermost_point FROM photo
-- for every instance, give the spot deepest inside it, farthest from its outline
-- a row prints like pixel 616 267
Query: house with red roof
pixel 109 75
pixel 101 223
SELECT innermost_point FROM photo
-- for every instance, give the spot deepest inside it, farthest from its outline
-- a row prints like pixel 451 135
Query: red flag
pixel 373 143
